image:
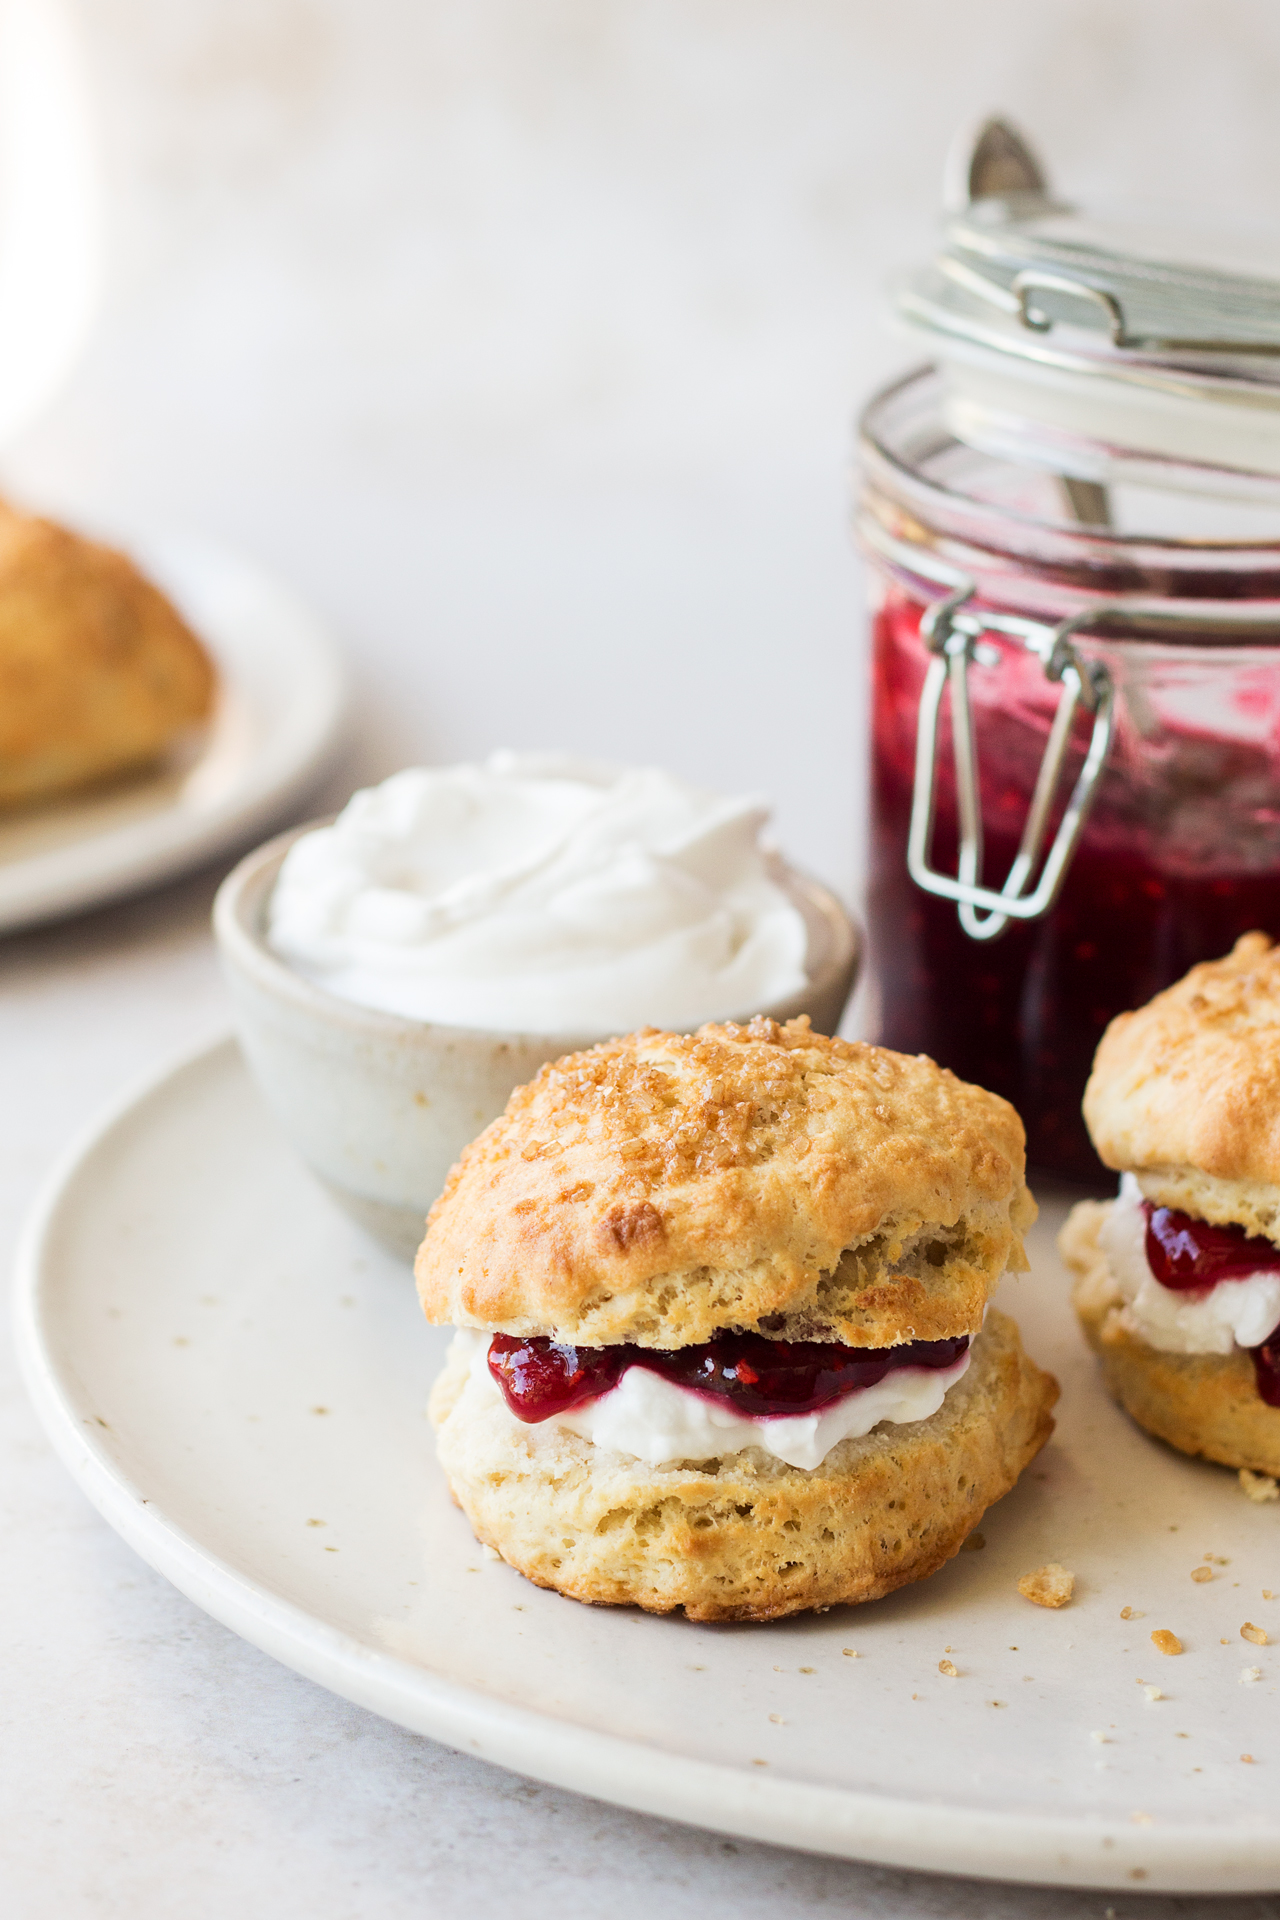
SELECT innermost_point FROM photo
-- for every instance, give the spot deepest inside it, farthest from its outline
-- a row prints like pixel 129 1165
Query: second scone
pixel 722 1304
pixel 1178 1278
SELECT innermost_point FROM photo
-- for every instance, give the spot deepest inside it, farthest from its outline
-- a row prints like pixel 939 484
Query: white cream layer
pixel 1234 1313
pixel 659 1422
pixel 543 894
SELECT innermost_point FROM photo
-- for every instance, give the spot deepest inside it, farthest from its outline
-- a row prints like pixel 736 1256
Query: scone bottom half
pixel 1206 1404
pixel 664 1191
pixel 1184 1102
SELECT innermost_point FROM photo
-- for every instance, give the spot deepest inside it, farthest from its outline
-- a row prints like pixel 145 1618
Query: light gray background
pixel 523 337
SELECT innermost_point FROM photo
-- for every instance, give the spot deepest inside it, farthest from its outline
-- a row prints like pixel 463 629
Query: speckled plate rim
pixel 888 1831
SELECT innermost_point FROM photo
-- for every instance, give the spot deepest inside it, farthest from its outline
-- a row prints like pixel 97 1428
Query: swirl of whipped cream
pixel 541 894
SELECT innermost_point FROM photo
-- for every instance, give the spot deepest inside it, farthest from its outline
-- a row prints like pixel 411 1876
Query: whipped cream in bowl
pixel 398 971
pixel 544 895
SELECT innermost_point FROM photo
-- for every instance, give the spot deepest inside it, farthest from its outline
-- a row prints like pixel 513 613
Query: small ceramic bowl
pixel 380 1106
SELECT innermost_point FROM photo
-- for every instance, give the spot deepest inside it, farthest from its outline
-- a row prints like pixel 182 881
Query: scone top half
pixel 1185 1093
pixel 662 1188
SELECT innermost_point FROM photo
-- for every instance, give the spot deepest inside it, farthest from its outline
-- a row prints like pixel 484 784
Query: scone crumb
pixel 1258 1486
pixel 1201 1574
pixel 1142 1820
pixel 850 1653
pixel 1250 1676
pixel 1165 1642
pixel 1267 1594
pixel 1248 1760
pixel 1153 1693
pixel 1258 1635
pixel 949 1667
pixel 1101 1739
pixel 1048 1586
pixel 1132 1613
pixel 777 1720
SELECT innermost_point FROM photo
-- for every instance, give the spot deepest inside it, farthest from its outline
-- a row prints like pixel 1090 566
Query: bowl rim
pixel 238 904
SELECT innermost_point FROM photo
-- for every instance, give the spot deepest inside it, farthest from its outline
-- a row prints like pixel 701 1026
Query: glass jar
pixel 1172 590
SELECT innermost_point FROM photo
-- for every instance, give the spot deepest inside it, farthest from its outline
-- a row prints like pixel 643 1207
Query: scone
pixel 1178 1278
pixel 724 1341
pixel 98 672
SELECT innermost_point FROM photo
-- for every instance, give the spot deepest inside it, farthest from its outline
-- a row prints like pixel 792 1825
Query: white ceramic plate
pixel 237 1379
pixel 280 703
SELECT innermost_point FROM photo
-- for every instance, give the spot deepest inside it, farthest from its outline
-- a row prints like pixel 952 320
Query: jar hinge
pixel 954 638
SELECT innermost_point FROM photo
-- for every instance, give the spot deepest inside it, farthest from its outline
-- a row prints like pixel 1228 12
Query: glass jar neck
pixel 938 512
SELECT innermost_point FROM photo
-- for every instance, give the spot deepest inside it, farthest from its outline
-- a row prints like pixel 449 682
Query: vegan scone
pixel 724 1341
pixel 1178 1278
pixel 99 673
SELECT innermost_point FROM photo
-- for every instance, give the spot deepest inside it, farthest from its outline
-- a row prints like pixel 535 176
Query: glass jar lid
pixel 1073 339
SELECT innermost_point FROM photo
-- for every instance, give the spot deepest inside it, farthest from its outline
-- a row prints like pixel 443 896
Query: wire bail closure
pixel 954 638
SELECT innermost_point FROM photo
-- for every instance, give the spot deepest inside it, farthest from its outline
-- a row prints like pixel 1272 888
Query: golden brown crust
pixel 1190 1084
pixel 98 673
pixel 1202 1403
pixel 658 1188
pixel 746 1538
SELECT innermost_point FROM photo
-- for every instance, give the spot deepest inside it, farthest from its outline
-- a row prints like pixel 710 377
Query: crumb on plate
pixel 1048 1586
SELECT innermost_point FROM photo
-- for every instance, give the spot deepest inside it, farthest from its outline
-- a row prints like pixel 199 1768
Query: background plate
pixel 280 704
pixel 237 1379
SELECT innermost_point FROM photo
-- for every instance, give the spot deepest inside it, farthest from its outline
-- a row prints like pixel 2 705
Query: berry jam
pixel 1266 1365
pixel 1180 855
pixel 759 1378
pixel 1190 1256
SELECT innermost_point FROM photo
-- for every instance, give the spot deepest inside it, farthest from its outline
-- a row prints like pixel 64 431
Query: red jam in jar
pixel 759 1378
pixel 1177 595
pixel 1190 1256
pixel 1156 884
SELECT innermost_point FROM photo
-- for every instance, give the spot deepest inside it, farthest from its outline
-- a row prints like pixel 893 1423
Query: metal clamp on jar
pixel 1073 518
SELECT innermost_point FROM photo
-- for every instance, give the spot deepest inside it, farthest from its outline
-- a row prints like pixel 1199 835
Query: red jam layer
pixel 1266 1366
pixel 1187 1255
pixel 1190 1256
pixel 760 1378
